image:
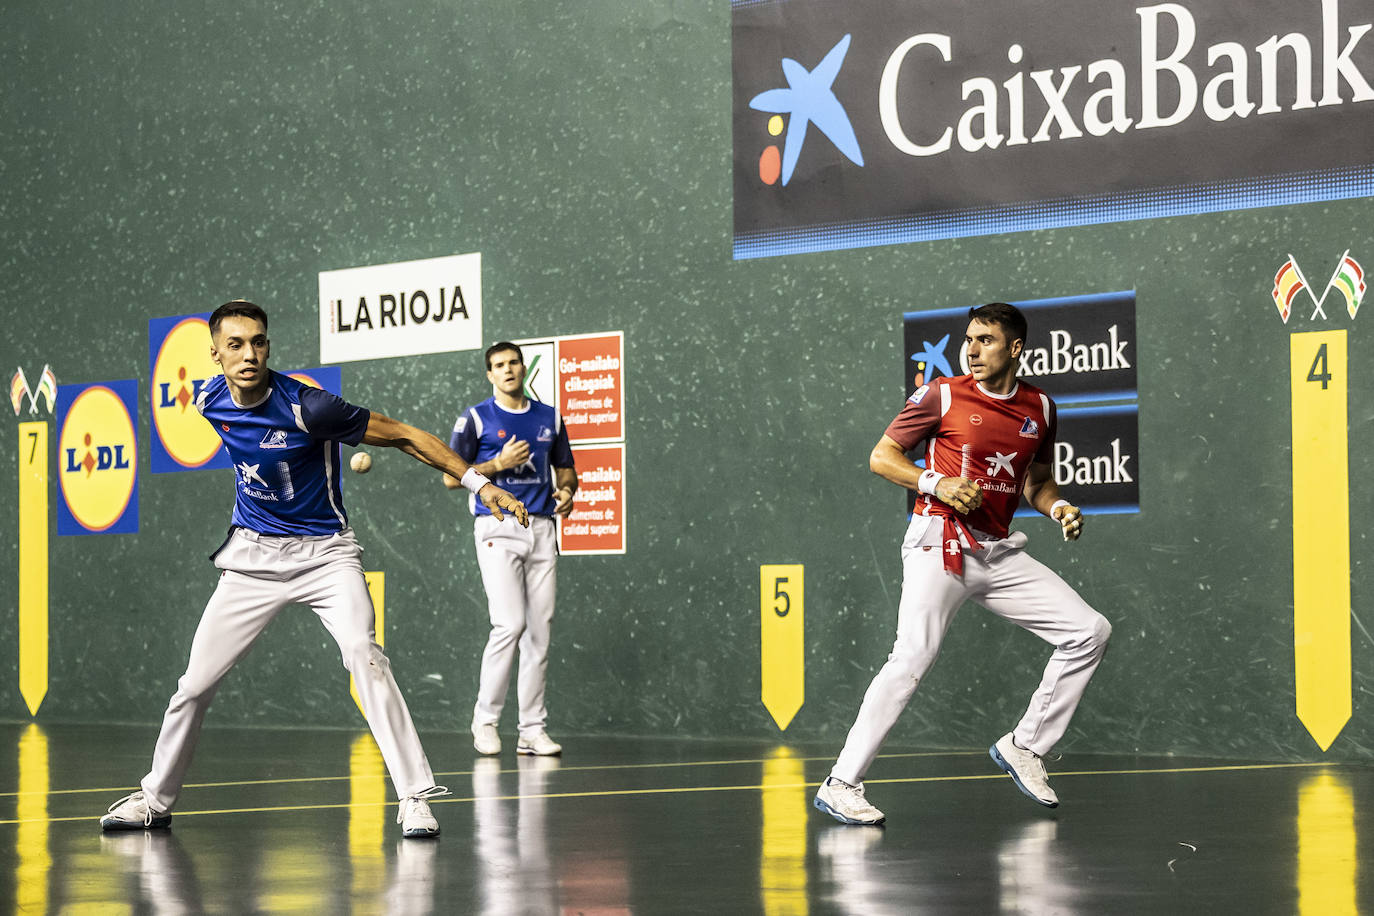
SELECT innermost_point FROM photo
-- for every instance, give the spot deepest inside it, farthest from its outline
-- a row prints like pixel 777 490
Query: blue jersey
pixel 482 431
pixel 285 450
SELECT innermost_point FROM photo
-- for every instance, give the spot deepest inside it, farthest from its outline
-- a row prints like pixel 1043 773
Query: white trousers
pixel 1003 578
pixel 262 575
pixel 519 571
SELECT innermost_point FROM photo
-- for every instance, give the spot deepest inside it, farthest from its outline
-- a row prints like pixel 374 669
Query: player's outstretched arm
pixel 1042 492
pixel 428 449
pixel 889 461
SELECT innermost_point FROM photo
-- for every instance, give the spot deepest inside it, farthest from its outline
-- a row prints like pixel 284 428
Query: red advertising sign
pixel 591 392
pixel 597 522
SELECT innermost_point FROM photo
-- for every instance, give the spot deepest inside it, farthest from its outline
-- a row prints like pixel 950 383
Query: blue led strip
pixel 1149 203
pixel 1027 305
pixel 1103 411
pixel 1123 509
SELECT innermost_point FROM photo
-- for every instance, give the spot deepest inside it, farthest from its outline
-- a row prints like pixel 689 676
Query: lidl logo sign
pixel 98 458
pixel 180 365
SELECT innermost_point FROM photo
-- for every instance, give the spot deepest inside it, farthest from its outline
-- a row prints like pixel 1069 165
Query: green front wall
pixel 159 158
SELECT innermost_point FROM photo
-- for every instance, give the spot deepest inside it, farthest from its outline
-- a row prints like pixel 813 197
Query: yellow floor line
pixel 671 790
pixel 296 780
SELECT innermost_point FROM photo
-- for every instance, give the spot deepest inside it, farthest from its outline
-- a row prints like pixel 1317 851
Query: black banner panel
pixel 873 122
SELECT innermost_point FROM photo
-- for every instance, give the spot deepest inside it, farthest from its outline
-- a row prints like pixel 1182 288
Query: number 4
pixel 1325 375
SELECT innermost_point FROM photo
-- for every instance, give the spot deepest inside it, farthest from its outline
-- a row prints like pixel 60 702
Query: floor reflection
pixel 511 839
pixel 674 827
pixel 31 810
pixel 162 875
pixel 847 864
pixel 368 817
pixel 411 889
pixel 1034 873
pixel 782 857
pixel 1327 865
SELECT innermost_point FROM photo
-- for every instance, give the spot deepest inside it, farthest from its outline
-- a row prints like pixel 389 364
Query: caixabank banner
pixel 97 458
pixel 871 122
pixel 1081 350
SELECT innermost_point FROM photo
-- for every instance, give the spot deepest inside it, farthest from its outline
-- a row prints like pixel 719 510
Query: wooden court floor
pixel 301 821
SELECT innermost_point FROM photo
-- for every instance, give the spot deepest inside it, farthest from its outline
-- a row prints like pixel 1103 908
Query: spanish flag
pixel 19 386
pixel 1287 282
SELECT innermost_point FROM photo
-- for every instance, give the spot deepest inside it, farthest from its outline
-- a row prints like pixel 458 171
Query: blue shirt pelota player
pixel 290 543
pixel 522 444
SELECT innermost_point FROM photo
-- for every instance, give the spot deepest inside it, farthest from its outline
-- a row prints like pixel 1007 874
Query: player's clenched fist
pixel 515 453
pixel 497 499
pixel 1070 520
pixel 962 494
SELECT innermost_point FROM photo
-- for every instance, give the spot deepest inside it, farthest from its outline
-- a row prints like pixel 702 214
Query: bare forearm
pixel 1042 491
pixel 418 444
pixel 890 463
pixel 489 467
pixel 431 450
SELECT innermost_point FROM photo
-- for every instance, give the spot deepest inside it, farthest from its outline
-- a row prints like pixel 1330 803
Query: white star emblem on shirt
pixel 250 473
pixel 999 462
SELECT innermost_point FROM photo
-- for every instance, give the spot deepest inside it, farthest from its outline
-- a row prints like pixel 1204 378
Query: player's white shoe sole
pixel 538 744
pixel 1025 769
pixel 414 816
pixel 847 804
pixel 132 812
pixel 485 740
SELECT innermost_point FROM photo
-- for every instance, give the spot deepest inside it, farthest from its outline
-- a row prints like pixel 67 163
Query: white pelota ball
pixel 361 462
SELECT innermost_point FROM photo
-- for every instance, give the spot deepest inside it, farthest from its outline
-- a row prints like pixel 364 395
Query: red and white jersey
pixel 966 431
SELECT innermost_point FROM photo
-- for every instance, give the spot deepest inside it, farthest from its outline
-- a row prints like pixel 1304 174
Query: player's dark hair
pixel 1004 314
pixel 238 308
pixel 498 347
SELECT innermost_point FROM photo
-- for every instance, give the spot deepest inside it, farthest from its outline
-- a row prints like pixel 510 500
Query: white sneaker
pixel 846 803
pixel 415 818
pixel 486 740
pixel 132 812
pixel 538 744
pixel 1026 770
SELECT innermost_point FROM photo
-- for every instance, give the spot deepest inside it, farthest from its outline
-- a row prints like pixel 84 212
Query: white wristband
pixel 1057 504
pixel 473 481
pixel 928 481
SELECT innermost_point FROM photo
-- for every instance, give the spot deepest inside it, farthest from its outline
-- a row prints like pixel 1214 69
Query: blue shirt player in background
pixel 290 543
pixel 522 445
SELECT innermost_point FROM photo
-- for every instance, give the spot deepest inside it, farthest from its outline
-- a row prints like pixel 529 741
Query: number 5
pixel 779 593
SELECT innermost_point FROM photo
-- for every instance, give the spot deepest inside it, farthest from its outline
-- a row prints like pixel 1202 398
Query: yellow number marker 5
pixel 782 639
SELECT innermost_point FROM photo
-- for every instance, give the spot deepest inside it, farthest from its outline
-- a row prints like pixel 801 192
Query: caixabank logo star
pixel 97 458
pixel 180 365
pixel 807 99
